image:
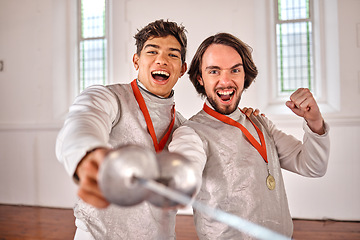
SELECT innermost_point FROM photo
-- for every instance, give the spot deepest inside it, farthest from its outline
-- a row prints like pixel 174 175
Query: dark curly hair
pixel 161 28
pixel 229 40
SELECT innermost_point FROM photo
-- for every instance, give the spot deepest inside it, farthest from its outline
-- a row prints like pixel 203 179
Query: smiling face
pixel 160 65
pixel 222 77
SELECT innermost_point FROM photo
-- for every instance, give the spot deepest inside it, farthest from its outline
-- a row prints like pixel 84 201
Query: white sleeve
pixel 307 158
pixel 87 126
pixel 188 143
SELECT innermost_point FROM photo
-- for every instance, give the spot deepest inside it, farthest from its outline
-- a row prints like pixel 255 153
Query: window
pixel 300 42
pixel 294 45
pixel 92 43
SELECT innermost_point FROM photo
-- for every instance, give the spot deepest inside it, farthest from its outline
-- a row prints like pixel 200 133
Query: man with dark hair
pixel 243 156
pixel 140 113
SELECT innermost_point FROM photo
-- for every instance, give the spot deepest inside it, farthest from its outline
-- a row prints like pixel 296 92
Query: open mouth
pixel 225 95
pixel 160 75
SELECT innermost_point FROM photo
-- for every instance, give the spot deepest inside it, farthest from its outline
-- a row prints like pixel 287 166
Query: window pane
pixel 295 64
pixel 92 18
pixel 92 62
pixel 92 44
pixel 293 9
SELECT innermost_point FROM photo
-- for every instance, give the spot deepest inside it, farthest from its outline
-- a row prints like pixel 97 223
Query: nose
pixel 161 59
pixel 225 77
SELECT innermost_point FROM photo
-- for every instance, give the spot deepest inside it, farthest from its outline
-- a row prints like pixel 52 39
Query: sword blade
pixel 236 222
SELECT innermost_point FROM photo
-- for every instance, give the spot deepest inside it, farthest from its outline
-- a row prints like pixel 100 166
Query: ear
pixel 183 69
pixel 136 61
pixel 200 80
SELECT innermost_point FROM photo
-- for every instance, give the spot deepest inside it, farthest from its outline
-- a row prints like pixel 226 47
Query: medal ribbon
pixel 140 100
pixel 260 148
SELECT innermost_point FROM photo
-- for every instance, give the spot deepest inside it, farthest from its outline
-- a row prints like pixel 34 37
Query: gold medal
pixel 270 182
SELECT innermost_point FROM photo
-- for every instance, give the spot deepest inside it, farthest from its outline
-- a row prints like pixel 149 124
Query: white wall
pixel 33 101
pixel 37 44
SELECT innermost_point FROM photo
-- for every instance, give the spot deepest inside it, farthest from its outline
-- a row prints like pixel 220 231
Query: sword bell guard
pixel 177 173
pixel 118 171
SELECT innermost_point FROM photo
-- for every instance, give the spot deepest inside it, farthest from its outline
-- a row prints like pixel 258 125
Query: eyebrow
pixel 217 67
pixel 175 49
pixel 151 45
pixel 158 47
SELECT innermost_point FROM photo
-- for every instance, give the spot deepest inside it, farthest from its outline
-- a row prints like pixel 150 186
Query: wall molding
pixel 333 121
pixel 30 127
pixel 290 121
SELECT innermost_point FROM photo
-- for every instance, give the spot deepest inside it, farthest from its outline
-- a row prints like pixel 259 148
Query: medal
pixel 270 182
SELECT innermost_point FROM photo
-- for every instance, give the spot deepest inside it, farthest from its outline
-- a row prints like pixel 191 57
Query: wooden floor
pixel 30 223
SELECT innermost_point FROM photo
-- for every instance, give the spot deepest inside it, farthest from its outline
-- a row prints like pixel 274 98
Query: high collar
pixel 235 115
pixel 141 86
pixel 153 101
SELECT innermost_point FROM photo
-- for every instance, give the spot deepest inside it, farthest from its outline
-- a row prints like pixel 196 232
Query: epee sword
pixel 131 174
pixel 236 222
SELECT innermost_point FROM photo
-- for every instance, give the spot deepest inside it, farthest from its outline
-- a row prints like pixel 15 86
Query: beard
pixel 225 110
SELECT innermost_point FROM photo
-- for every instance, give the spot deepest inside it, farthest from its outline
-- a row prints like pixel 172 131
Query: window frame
pixel 326 61
pixel 312 79
pixel 79 86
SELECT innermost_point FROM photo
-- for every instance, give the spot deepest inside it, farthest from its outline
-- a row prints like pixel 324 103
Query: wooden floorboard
pixel 24 222
pixel 37 223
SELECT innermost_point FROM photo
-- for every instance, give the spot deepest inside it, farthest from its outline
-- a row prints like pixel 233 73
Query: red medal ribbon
pixel 260 148
pixel 140 100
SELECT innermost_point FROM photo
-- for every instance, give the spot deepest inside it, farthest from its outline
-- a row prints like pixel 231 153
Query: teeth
pixel 225 92
pixel 161 73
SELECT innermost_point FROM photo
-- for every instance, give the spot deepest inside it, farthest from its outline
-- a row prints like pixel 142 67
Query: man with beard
pixel 243 156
